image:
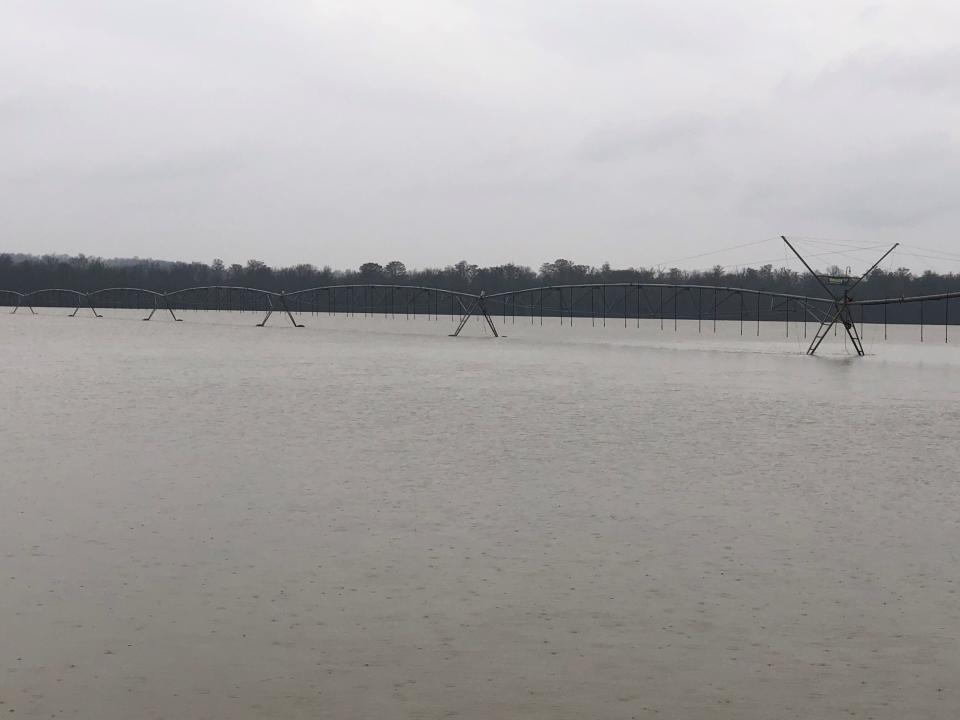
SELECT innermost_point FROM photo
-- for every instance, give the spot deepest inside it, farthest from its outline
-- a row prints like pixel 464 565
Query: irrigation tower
pixel 841 301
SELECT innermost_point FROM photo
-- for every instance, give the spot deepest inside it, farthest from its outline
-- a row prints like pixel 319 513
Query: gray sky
pixel 336 132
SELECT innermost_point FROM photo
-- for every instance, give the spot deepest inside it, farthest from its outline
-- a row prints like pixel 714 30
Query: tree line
pixel 29 272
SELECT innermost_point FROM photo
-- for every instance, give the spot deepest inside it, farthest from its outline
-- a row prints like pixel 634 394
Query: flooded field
pixel 365 518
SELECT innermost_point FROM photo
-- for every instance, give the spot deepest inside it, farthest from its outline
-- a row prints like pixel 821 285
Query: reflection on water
pixel 366 518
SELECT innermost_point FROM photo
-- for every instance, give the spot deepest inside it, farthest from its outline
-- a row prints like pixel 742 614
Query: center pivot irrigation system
pixel 841 303
pixel 629 300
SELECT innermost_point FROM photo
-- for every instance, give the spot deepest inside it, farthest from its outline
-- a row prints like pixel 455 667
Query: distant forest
pixel 28 272
pixel 24 273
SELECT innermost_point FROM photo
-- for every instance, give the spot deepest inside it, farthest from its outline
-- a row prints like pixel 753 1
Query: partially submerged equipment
pixel 629 300
pixel 841 302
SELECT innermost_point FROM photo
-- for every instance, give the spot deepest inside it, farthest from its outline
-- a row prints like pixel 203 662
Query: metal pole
pixel 758 314
pixel 269 311
pixel 483 307
pixel 465 316
pixel 283 303
pixel 714 310
pixel 815 276
pixel 147 318
pixel 882 257
pixel 822 331
pixel 699 309
pixel 176 319
pixel 638 306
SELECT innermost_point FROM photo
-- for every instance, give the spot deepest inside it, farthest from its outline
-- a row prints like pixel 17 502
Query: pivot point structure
pixel 842 300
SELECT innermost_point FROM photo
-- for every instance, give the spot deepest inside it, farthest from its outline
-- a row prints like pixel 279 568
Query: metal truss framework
pixel 658 301
pixel 841 303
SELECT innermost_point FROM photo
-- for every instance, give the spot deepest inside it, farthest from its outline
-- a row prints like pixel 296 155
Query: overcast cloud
pixel 337 132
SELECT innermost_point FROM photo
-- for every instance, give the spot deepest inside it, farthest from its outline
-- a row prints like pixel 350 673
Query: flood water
pixel 366 518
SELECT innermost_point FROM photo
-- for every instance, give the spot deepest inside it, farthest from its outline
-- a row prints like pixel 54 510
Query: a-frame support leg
pixel 166 304
pixel 19 302
pixel 847 319
pixel 478 305
pixel 283 302
pixel 842 315
pixel 269 312
pixel 482 306
pixel 89 304
pixel 283 307
pixel 822 331
pixel 170 310
pixel 467 314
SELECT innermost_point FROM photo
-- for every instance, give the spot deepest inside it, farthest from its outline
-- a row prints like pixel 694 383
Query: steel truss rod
pixel 829 311
pixel 58 293
pixel 668 286
pixel 808 310
pixel 909 299
pixel 646 299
